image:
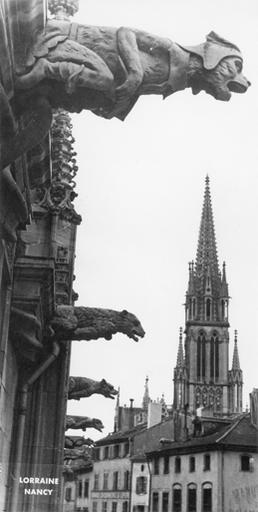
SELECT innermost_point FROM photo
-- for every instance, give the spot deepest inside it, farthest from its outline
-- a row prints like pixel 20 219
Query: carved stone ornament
pixel 106 70
pixel 81 323
pixel 59 7
pixel 82 387
pixel 83 422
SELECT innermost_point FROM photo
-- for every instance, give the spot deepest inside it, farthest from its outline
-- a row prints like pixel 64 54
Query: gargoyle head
pixel 97 424
pixel 220 72
pixel 107 389
pixel 130 325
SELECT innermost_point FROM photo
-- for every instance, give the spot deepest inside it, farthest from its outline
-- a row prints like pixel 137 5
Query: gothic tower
pixel 201 376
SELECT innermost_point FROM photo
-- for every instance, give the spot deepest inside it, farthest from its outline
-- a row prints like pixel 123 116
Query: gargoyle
pixel 80 323
pixel 106 70
pixel 77 441
pixel 83 422
pixel 82 387
pixel 76 453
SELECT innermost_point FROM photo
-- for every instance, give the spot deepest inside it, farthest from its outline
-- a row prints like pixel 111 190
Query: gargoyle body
pixel 83 422
pixel 82 387
pixel 76 453
pixel 77 441
pixel 80 323
pixel 106 70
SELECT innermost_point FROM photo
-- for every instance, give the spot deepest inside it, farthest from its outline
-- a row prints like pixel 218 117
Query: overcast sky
pixel 141 185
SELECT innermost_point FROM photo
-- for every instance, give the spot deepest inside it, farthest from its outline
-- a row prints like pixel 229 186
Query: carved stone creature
pixel 76 453
pixel 80 323
pixel 105 70
pixel 82 387
pixel 77 441
pixel 83 422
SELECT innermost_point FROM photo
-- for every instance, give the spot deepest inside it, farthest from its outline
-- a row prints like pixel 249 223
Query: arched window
pixel 208 309
pixel 177 498
pixel 216 358
pixel 207 497
pixel 191 498
pixel 222 309
pixel 201 356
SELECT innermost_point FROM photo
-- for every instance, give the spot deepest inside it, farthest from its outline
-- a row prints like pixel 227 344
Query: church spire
pixel 146 397
pixel 180 353
pixel 235 360
pixel 206 257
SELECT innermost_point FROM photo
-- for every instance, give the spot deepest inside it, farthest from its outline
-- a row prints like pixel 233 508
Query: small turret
pixel 179 376
pixel 235 378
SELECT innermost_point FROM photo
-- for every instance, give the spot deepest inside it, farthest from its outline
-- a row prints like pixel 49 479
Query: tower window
pixel 201 356
pixel 208 309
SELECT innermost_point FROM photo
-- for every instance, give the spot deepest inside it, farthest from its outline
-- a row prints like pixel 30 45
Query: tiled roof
pixel 240 434
pixel 121 435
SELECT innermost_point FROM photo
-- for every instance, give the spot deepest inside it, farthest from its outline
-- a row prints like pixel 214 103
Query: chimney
pixel 131 414
pixel 254 406
pixel 154 413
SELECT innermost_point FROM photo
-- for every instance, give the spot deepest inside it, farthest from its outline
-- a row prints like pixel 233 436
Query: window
pixel 191 464
pixel 177 498
pixel 96 482
pixel 246 463
pixel 207 498
pixel 94 506
pixel 86 489
pixel 126 449
pixel 126 480
pixel 115 480
pixel 166 465
pixel 141 485
pixel 106 452
pixel 125 506
pixel 80 489
pixel 156 466
pixel 155 502
pixel 165 502
pixel 104 506
pixel 105 481
pixel 191 498
pixel 201 356
pixel 206 462
pixel 68 493
pixel 177 465
pixel 114 506
pixel 96 453
pixel 116 450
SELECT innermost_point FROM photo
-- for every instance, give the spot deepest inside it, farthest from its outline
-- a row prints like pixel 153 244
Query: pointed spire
pixel 235 361
pixel 207 250
pixel 146 397
pixel 180 352
pixel 224 284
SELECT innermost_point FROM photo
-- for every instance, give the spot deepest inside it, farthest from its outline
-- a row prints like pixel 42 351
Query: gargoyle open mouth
pixel 236 87
pixel 136 334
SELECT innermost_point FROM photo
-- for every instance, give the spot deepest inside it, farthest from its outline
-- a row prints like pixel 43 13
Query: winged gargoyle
pixel 77 441
pixel 81 323
pixel 83 422
pixel 106 70
pixel 82 387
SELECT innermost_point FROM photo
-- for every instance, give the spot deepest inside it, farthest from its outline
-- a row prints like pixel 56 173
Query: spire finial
pixel 180 353
pixel 235 360
pixel 146 397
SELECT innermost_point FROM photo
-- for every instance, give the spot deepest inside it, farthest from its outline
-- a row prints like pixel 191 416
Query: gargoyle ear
pixel 124 312
pixel 103 381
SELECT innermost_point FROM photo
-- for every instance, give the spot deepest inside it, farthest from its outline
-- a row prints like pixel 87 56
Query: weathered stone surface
pixel 77 441
pixel 80 323
pixel 105 70
pixel 83 422
pixel 82 387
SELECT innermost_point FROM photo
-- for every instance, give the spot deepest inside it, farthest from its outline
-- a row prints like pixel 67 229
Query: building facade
pixel 216 472
pixel 201 376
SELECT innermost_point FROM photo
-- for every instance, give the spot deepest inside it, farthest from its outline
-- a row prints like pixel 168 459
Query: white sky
pixel 141 185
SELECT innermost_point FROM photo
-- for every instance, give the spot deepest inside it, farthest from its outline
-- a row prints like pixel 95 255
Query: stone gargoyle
pixel 83 422
pixel 106 70
pixel 82 387
pixel 81 323
pixel 77 441
pixel 76 453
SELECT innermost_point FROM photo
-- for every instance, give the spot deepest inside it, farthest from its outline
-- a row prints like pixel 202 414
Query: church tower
pixel 201 376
